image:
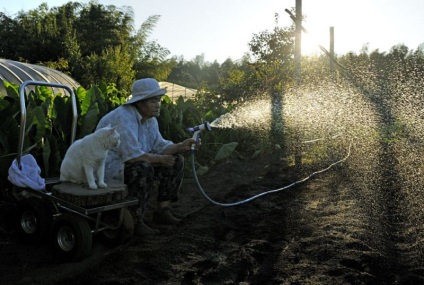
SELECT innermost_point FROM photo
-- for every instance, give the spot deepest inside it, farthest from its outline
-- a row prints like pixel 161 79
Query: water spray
pixel 206 126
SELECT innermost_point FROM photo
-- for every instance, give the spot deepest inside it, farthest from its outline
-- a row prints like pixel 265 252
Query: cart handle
pixel 23 111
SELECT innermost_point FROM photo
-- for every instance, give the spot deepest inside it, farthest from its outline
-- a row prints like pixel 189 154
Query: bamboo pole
pixel 332 52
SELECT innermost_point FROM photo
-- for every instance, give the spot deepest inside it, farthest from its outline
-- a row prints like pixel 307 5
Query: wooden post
pixel 298 42
pixel 298 72
pixel 332 52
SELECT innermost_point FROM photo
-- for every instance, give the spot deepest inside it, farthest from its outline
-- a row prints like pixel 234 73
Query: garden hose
pixel 203 193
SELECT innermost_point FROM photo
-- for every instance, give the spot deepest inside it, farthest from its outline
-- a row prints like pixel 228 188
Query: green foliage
pixel 47 132
pixel 90 42
pixel 90 102
pixel 114 97
pixel 176 117
pixel 154 67
pixel 114 65
pixel 226 150
pixel 268 69
pixel 394 132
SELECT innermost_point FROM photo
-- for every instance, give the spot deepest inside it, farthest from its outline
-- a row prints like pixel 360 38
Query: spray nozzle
pixel 205 126
pixel 197 129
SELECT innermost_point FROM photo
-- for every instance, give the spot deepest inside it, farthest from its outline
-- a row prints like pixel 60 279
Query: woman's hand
pixel 165 160
pixel 168 160
pixel 186 144
pixel 181 147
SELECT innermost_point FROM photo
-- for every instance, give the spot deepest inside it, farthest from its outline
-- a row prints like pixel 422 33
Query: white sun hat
pixel 145 88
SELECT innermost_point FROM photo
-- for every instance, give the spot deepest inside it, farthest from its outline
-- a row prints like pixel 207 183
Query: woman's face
pixel 150 107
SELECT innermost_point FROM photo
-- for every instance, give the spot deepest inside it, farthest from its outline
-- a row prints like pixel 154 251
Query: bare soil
pixel 316 232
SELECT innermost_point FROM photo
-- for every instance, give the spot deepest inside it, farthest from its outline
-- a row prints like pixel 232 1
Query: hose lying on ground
pixel 199 187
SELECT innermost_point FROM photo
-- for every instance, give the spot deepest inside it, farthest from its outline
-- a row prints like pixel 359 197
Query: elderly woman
pixel 144 155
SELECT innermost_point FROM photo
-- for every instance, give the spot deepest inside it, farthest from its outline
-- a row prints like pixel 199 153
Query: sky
pixel 222 29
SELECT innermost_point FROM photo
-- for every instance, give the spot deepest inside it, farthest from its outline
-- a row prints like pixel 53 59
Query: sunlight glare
pixel 311 42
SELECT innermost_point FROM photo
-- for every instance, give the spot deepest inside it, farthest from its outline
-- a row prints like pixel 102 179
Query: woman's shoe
pixel 142 229
pixel 165 217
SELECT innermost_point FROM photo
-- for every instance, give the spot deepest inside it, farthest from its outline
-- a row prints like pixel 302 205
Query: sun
pixel 312 43
pixel 319 19
pixel 350 32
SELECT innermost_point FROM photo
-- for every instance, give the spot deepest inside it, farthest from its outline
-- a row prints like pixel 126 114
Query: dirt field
pixel 318 232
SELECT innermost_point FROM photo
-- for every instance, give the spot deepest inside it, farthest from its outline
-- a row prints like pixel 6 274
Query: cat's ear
pixel 110 128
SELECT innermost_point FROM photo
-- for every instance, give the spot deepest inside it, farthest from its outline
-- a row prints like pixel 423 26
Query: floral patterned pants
pixel 140 178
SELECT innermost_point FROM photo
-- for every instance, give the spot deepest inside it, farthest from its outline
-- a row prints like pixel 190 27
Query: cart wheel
pixel 120 235
pixel 72 237
pixel 33 220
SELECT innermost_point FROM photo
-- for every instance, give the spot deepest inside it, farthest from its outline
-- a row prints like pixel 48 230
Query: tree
pixel 150 57
pixel 100 27
pixel 152 62
pixel 273 52
pixel 185 73
pixel 34 35
pixel 268 68
pixel 10 30
pixel 113 65
pixel 91 42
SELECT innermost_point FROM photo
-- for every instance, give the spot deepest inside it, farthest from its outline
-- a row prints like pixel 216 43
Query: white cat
pixel 86 157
